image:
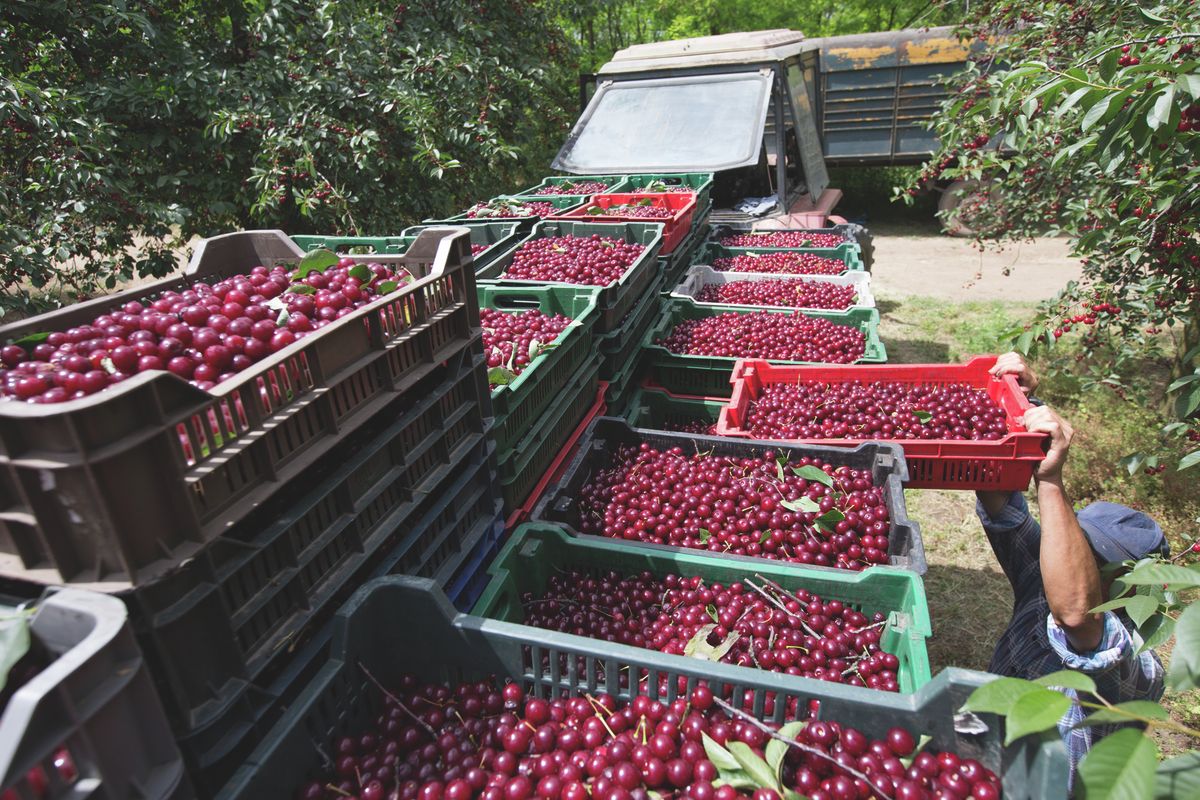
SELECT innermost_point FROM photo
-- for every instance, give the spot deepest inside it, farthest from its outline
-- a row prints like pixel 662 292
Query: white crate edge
pixel 701 275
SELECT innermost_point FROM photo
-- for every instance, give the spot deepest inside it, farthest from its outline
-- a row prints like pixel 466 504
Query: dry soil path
pixel 932 265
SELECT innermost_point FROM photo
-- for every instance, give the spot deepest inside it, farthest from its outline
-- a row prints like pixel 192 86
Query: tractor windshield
pixel 696 123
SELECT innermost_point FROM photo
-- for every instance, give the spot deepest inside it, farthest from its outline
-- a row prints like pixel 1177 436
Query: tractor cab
pixel 739 105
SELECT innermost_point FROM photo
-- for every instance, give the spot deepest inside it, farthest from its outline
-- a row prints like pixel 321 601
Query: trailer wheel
pixel 972 195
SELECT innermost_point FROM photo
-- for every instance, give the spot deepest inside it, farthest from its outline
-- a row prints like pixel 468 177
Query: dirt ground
pixel 932 265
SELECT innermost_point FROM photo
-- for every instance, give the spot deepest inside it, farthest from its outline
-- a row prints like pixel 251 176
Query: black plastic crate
pixel 94 699
pixel 454 531
pixel 883 459
pixel 339 700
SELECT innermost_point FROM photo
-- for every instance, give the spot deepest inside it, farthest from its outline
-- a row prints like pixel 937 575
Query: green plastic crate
pixel 499 236
pixel 658 409
pixel 618 297
pixel 685 256
pixel 616 183
pixel 517 405
pixel 848 254
pixel 438 644
pixel 699 182
pixel 537 550
pixel 709 375
pixel 618 347
pixel 533 454
pixel 560 203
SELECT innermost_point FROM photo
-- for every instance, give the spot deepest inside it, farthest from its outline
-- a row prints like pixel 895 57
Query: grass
pixel 969 597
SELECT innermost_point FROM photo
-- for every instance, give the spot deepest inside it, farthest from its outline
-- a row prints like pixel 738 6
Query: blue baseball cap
pixel 1118 533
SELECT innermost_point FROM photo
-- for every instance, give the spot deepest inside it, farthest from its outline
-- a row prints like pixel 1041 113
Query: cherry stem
pixel 432 733
pixel 804 748
pixel 777 604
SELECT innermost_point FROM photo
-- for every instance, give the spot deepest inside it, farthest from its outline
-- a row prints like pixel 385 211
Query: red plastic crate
pixel 1005 464
pixel 677 226
pixel 521 513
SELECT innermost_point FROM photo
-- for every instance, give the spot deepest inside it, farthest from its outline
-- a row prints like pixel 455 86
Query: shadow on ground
pixel 970 609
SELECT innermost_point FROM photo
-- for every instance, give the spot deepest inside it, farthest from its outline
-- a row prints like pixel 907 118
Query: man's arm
pixel 1069 572
pixel 1008 364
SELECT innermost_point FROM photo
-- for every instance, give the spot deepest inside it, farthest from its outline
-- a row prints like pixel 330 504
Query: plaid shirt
pixel 1034 645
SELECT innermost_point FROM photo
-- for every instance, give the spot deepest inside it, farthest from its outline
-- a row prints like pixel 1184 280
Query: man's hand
pixel 1044 420
pixel 1014 364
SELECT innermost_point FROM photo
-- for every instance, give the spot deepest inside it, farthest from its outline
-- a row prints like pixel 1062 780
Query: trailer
pixel 767 112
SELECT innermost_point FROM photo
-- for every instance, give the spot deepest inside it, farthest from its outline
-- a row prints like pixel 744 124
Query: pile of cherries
pixel 513 339
pixel 794 293
pixel 476 249
pixel 661 187
pixel 755 623
pixel 700 426
pixel 204 334
pixel 781 263
pixel 478 740
pixel 634 210
pixel 577 187
pixel 586 260
pixel 753 506
pixel 506 209
pixel 878 410
pixel 783 239
pixel 767 334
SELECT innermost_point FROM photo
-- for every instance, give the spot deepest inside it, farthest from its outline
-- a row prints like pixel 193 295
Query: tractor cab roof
pixel 751 47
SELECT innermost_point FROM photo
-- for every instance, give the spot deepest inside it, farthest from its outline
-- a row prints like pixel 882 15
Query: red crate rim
pixel 749 375
pixel 521 513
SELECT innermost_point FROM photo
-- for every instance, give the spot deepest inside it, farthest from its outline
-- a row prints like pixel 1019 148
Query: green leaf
pixel 1111 605
pixel 1191 83
pixel 1150 15
pixel 1188 461
pixel 720 757
pixel 1035 712
pixel 711 610
pixel 776 749
pixel 1140 608
pixel 501 376
pixel 830 518
pixel 754 766
pixel 802 504
pixel 1157 631
pixel 14 642
pixel 814 474
pixel 361 272
pixel 1161 110
pixel 922 416
pixel 704 534
pixel 317 260
pixel 1024 342
pixel 1172 575
pixel 998 696
pixel 1179 383
pixel 596 211
pixel 1187 402
pixel 301 288
pixel 387 287
pixel 766 535
pixel 29 340
pixel 1178 777
pixel 1118 767
pixel 1068 679
pixel 779 462
pixel 1094 113
pixel 737 778
pixel 1135 710
pixel 1184 672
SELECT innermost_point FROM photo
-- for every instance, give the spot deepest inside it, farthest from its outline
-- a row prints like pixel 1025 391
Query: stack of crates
pixel 233 522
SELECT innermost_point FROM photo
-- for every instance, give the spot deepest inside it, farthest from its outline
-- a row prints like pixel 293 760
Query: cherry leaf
pixel 317 260
pixel 922 416
pixel 1068 679
pixel 387 287
pixel 720 757
pixel 830 518
pixel 501 376
pixel 703 535
pixel 1120 765
pixel 777 749
pixel 1037 711
pixel 14 642
pixel 1131 711
pixel 360 272
pixel 998 696
pixel 30 339
pixel 754 766
pixel 803 504
pixel 814 474
pixel 301 288
pixel 711 610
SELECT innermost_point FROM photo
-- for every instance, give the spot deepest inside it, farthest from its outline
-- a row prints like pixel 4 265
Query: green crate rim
pixel 710 251
pixel 908 619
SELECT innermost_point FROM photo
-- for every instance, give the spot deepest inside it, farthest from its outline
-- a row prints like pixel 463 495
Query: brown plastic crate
pixel 101 491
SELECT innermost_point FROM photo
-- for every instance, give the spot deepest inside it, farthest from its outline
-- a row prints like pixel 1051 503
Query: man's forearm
pixel 1069 573
pixel 994 502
